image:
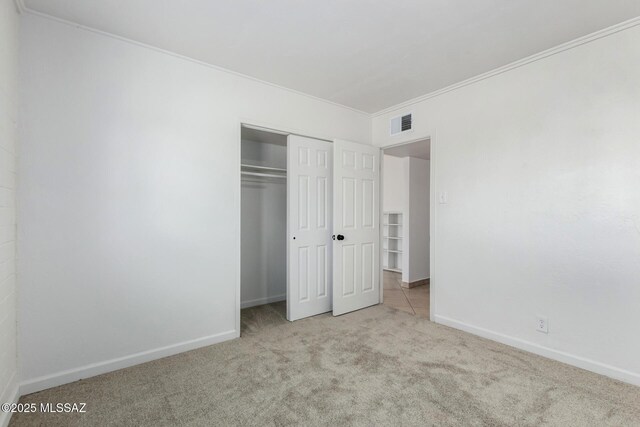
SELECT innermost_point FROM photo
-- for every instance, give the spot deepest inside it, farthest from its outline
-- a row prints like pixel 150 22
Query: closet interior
pixel 264 217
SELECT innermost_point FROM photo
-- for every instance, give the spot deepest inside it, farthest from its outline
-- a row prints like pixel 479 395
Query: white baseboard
pixel 414 283
pixel 560 356
pixel 262 301
pixel 11 394
pixel 64 377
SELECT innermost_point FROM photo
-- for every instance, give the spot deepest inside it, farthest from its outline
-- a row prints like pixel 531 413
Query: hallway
pixel 411 300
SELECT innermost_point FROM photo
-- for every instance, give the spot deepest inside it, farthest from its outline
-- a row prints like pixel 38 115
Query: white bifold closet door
pixel 333 227
pixel 356 208
pixel 309 222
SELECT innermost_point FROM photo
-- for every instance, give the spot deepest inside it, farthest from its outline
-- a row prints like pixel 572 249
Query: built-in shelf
pixel 392 241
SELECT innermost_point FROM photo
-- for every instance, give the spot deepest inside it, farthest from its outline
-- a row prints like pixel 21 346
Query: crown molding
pixel 516 64
pixel 20 7
pixel 27 10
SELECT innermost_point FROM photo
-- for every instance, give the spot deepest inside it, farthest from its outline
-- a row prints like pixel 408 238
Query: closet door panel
pixel 322 217
pixel 356 259
pixel 310 216
pixel 322 279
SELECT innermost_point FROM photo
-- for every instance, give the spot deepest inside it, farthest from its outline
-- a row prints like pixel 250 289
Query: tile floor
pixel 414 300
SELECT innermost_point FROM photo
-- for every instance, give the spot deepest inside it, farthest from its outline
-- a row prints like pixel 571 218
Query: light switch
pixel 442 197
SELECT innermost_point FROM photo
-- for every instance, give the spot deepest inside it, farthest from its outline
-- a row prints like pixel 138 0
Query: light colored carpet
pixel 377 366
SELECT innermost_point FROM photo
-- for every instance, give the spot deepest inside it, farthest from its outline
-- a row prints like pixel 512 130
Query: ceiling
pixel 419 149
pixel 365 54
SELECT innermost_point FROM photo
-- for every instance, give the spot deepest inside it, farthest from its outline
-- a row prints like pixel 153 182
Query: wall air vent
pixel 401 124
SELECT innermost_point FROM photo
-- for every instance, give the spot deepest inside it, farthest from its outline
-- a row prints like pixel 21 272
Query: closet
pixel 264 217
pixel 309 223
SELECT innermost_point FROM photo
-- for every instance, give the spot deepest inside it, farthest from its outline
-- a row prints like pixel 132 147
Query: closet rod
pixel 247 180
pixel 262 167
pixel 266 175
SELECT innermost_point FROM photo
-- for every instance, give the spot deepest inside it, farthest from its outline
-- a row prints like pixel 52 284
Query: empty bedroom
pixel 319 213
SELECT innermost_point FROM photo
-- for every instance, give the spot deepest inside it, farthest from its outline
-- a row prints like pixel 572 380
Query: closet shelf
pixel 264 175
pixel 393 237
pixel 393 251
pixel 265 168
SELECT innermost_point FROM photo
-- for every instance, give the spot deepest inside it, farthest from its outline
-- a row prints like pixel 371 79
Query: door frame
pixel 432 219
pixel 267 127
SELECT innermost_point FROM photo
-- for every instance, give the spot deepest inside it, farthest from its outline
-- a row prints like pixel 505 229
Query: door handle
pixel 340 237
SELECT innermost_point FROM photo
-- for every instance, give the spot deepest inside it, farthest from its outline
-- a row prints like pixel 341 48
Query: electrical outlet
pixel 542 324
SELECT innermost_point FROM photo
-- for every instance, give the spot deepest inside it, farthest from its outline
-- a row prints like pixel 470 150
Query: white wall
pixel 417 220
pixel 541 165
pixel 129 204
pixel 395 198
pixel 394 185
pixel 9 23
pixel 264 228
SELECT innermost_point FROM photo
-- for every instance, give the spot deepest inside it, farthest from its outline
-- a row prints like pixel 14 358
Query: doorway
pixel 406 227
